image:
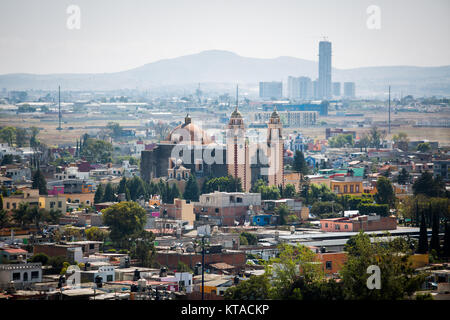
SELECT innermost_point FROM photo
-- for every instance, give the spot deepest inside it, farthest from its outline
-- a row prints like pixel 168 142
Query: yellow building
pixel 347 186
pixel 30 196
pixel 180 210
pixel 53 203
pixel 82 198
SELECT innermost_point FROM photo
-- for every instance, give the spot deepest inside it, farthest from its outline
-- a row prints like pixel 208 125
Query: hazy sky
pixel 119 35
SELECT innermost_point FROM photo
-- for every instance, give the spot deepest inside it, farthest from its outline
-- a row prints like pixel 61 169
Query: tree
pixel 34 142
pixel 293 265
pixel 385 192
pixel 300 164
pixel 124 219
pixel 403 177
pixel 20 214
pixel 174 193
pixel 53 216
pixel 398 279
pixel 283 211
pixel 289 191
pixel 94 150
pixel 376 137
pixel 423 147
pixel 137 188
pixel 341 140
pixel 109 195
pixel 39 182
pixel 429 186
pixel 36 215
pixel 95 234
pixel 40 257
pixel 326 209
pixel 21 137
pixel 446 248
pixel 255 288
pixel 115 130
pixel 7 159
pixel 8 135
pixel 401 141
pixel 434 242
pixel 267 192
pixel 4 219
pixel 191 191
pixel 99 193
pixel 423 237
pixel 143 248
pixel 247 238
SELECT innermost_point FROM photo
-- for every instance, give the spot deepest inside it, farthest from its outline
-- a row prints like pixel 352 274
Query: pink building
pixel 355 224
pixel 55 190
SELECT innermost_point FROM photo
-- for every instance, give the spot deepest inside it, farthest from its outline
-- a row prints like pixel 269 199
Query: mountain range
pixel 217 67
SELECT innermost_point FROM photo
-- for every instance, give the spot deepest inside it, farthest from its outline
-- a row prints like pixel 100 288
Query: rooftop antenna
pixel 59 107
pixel 237 96
pixel 389 110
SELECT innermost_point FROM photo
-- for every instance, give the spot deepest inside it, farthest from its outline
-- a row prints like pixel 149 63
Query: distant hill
pixel 224 67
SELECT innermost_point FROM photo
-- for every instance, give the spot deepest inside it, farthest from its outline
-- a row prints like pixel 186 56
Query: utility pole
pixel 203 268
pixel 59 107
pixel 389 109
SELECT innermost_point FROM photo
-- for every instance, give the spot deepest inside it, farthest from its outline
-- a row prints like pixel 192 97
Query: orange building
pixel 347 186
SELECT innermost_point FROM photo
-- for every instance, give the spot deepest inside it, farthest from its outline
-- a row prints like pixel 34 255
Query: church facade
pixel 191 147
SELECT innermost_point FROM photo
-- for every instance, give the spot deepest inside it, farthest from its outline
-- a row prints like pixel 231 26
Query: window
pixel 109 278
pixel 52 204
pixel 91 246
pixel 357 188
pixel 326 225
pixel 351 188
pixel 16 276
pixel 7 205
pixel 346 226
pixel 345 189
pixel 217 210
pixel 59 204
pixel 328 265
pixel 34 274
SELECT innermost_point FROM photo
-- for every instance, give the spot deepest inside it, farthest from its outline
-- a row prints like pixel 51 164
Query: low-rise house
pixel 355 224
pixel 228 207
pixel 24 273
pixel 179 210
pixel 13 255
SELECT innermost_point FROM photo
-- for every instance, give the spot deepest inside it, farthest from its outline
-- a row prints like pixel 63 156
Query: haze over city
pixel 237 152
pixel 116 36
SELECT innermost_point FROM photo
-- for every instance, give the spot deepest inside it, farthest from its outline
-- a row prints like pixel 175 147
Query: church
pixel 188 149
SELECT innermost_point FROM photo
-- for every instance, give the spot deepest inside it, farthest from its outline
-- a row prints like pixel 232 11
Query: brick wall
pixel 171 259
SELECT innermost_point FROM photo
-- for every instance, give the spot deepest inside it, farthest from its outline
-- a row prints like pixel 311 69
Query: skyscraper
pixel 271 90
pixel 336 89
pixel 324 84
pixel 349 90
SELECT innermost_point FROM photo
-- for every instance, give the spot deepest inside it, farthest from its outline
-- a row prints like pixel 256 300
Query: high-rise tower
pixel 324 82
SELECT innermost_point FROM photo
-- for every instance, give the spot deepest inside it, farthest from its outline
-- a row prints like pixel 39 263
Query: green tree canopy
pixel 39 182
pixel 125 219
pixel 385 192
pixel 191 191
pixel 398 279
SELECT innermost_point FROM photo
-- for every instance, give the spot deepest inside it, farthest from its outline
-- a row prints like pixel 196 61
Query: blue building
pixel 261 220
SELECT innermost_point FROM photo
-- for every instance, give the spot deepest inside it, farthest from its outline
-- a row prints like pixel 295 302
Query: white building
pixel 23 273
